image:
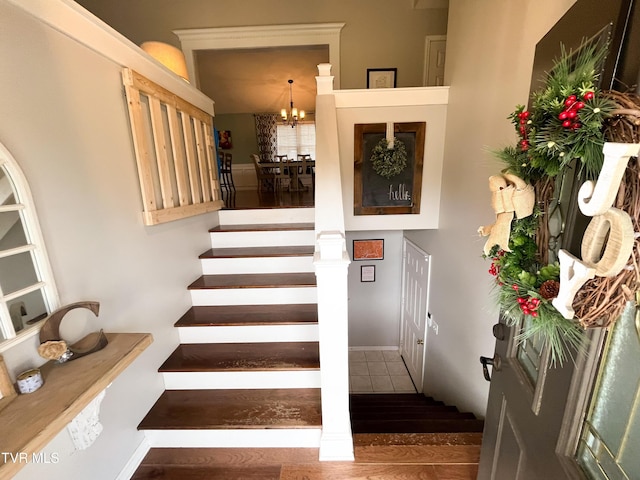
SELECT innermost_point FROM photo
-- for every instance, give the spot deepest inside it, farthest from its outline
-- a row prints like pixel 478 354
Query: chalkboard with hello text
pixel 375 194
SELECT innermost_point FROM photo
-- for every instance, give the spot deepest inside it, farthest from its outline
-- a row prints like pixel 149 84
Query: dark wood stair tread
pixel 413 411
pixel 252 252
pixel 418 426
pixel 235 409
pixel 407 414
pixel 391 399
pixel 268 227
pixel 236 315
pixel 255 280
pixel 434 439
pixel 227 357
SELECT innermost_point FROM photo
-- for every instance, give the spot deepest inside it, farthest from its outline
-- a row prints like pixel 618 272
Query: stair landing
pixel 389 457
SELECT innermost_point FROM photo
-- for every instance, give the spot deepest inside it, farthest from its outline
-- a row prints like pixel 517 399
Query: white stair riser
pixel 240 438
pixel 266 215
pixel 270 238
pixel 241 380
pixel 221 266
pixel 253 296
pixel 249 334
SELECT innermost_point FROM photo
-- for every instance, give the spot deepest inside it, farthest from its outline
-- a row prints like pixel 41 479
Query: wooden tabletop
pixel 32 420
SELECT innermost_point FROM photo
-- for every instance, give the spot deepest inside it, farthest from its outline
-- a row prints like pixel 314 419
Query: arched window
pixel 27 290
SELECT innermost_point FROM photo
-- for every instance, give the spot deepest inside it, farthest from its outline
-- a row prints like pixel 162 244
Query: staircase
pixel 406 413
pixel 243 387
pixel 246 373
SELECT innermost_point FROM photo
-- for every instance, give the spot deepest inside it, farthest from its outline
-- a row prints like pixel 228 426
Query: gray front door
pixel 527 398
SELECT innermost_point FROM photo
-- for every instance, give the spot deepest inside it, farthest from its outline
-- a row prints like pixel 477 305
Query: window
pixel 27 290
pixel 611 433
pixel 298 140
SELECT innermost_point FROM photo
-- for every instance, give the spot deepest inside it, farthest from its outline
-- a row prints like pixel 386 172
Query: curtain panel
pixel 266 133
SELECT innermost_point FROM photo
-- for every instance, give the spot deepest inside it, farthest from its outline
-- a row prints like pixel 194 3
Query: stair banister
pixel 331 263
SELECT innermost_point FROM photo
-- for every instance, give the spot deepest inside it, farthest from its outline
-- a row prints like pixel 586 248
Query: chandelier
pixel 292 116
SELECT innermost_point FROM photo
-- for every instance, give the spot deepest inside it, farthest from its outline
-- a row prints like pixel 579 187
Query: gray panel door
pixel 527 399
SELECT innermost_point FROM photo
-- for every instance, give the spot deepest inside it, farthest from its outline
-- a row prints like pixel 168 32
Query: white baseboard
pixel 241 380
pixel 245 438
pixel 267 215
pixel 136 459
pixel 336 447
pixel 360 349
pixel 249 334
pixel 244 176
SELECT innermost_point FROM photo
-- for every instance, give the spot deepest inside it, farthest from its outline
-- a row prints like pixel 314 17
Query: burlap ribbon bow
pixel 510 195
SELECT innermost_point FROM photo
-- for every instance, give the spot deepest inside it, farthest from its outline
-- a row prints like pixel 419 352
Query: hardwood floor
pixel 430 457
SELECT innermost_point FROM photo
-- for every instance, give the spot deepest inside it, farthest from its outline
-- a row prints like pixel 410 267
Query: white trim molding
pixel 135 460
pixel 219 38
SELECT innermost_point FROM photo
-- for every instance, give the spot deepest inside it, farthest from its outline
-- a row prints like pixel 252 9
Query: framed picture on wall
pixel 368 249
pixel 368 273
pixel 224 139
pixel 381 77
pixel 388 181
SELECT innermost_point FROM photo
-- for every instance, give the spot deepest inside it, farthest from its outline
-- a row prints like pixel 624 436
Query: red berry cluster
pixel 570 116
pixel 495 269
pixel 529 305
pixel 524 118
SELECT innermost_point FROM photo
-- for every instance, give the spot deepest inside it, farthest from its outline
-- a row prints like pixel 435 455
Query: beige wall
pixel 490 51
pixel 377 34
pixel 64 120
pixel 243 135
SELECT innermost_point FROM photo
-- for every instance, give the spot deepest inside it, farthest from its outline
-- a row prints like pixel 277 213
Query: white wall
pixel 374 307
pixel 64 120
pixel 427 105
pixel 490 49
pixel 378 33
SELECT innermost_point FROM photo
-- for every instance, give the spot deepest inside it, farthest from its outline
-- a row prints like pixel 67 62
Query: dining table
pixel 294 167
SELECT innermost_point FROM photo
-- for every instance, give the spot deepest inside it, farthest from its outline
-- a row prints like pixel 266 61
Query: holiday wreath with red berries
pixel 569 119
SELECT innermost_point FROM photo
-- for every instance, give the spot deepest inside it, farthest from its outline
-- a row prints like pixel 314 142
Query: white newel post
pixel 331 262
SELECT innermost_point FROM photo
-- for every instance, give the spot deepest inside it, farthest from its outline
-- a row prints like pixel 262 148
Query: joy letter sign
pixel 608 240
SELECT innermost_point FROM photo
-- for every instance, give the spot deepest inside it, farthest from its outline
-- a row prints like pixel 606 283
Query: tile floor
pixel 378 371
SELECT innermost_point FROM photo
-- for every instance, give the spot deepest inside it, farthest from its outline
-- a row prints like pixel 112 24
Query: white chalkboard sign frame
pixel 376 195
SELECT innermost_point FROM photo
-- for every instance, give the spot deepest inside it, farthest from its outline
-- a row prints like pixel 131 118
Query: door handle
pixel 500 331
pixel 495 362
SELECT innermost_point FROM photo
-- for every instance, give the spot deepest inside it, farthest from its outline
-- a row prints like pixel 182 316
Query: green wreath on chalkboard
pixel 389 162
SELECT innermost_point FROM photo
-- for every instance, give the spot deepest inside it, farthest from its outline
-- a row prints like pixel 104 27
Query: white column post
pixel 332 262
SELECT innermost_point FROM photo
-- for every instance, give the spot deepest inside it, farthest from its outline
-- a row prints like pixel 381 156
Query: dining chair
pixel 283 172
pixel 265 175
pixel 306 173
pixel 226 172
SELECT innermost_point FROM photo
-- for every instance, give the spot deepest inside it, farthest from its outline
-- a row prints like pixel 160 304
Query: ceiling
pixel 255 80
